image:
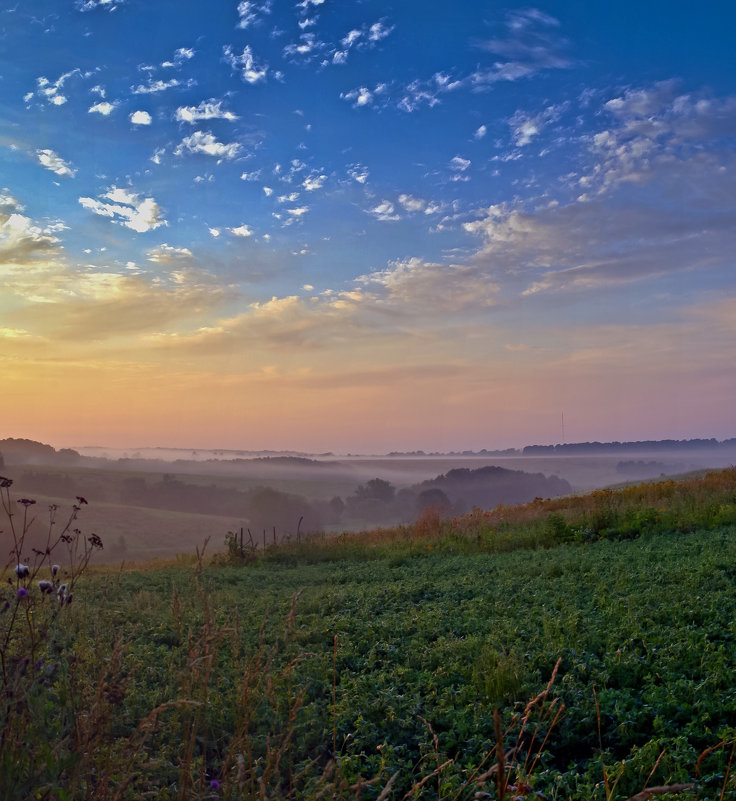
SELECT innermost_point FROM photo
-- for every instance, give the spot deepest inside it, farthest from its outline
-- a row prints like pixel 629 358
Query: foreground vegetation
pixel 580 648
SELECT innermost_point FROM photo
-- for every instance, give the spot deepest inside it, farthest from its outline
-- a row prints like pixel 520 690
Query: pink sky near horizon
pixel 617 390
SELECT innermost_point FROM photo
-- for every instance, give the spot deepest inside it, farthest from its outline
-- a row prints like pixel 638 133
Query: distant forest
pixel 377 501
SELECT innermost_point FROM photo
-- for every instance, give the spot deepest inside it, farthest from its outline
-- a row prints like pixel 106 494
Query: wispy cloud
pixel 104 108
pixel 54 162
pixel 126 208
pixel 250 70
pixel 242 231
pixel 305 48
pixel 430 287
pixel 250 13
pixel 107 304
pixel 650 127
pixel 51 91
pixel 156 86
pixel 459 168
pixel 411 203
pixel 22 241
pixel 385 211
pixel 358 173
pixel 168 255
pixel 362 96
pixel 565 249
pixel 364 37
pixel 91 5
pixel 181 56
pixel 525 126
pixel 207 144
pixel 315 180
pixel 531 45
pixel 207 110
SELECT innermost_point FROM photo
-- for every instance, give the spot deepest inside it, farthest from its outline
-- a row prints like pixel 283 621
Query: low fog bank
pixel 144 507
pixel 585 465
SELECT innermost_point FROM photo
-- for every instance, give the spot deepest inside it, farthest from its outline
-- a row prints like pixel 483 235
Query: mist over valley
pixel 156 502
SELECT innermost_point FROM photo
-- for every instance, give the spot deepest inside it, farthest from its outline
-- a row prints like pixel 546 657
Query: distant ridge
pixel 643 445
pixel 596 448
pixel 28 451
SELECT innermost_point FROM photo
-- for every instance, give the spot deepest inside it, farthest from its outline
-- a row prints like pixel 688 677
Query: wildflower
pixel 22 592
pixel 214 784
pixel 95 541
pixel 61 593
pixel 26 502
pixel 45 586
pixel 54 569
pixel 5 482
pixel 21 570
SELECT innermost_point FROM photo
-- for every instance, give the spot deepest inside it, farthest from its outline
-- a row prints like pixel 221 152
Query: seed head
pixel 21 570
pixel 45 586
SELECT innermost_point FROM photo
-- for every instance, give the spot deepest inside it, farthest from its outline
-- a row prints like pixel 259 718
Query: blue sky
pixel 366 225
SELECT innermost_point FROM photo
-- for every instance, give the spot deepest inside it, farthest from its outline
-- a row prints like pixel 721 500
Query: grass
pixel 397 663
pixel 703 501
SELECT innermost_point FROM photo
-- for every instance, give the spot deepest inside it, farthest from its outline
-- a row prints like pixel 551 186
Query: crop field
pixel 571 649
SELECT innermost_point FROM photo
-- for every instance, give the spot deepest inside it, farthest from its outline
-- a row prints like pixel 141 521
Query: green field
pixel 336 668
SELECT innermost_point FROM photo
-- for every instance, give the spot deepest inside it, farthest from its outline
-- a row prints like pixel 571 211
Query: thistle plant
pixel 36 589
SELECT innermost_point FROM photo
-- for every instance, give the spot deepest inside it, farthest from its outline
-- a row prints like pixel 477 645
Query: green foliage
pixel 330 670
pixel 498 676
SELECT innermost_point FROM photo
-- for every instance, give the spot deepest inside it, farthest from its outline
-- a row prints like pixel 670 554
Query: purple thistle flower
pixel 22 592
pixel 22 570
pixel 214 784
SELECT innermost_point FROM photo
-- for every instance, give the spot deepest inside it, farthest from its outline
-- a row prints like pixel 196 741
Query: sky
pixel 366 226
